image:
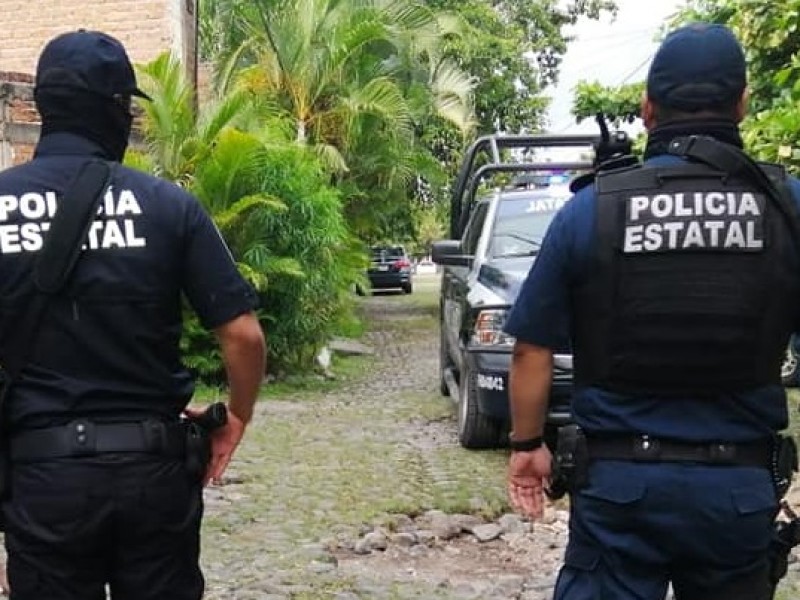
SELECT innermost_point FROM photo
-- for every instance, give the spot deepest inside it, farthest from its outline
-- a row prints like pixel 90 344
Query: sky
pixel 611 51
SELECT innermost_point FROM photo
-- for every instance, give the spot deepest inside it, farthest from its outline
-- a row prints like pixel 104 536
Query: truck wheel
pixel 475 430
pixel 408 288
pixel 445 363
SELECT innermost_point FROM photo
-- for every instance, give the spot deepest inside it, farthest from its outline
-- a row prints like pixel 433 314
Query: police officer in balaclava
pixel 104 489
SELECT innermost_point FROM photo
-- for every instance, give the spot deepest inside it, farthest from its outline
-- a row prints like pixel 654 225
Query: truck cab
pixel 500 214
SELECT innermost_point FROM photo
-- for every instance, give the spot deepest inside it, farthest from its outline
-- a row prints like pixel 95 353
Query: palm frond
pixel 218 116
pixel 381 97
pixel 331 158
pixel 237 210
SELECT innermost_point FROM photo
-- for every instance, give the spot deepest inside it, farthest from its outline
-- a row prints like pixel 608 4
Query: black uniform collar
pixel 659 139
pixel 67 144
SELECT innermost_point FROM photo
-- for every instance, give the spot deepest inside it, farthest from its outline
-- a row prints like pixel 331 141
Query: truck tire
pixel 445 362
pixel 475 430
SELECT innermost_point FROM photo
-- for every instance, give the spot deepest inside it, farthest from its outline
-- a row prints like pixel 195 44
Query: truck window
pixel 522 222
pixel 472 233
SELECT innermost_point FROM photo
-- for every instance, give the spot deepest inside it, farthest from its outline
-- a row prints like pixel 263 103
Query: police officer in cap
pixel 100 490
pixel 677 283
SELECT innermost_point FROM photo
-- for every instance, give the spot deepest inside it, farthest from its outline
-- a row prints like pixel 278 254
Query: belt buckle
pixel 82 436
pixel 722 453
pixel 646 448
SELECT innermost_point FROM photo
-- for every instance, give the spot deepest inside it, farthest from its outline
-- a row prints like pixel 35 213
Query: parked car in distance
pixel 425 267
pixel 390 268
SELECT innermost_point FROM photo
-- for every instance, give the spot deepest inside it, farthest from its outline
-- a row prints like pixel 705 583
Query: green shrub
pixel 284 225
pixel 273 204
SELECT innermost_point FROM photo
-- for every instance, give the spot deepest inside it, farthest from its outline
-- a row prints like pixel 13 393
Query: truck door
pixel 454 283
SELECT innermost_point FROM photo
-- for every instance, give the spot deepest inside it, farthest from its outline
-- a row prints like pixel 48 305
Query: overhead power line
pixel 578 39
pixel 638 68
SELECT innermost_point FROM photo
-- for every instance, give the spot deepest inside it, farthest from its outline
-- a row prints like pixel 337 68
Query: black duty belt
pixel 86 438
pixel 643 448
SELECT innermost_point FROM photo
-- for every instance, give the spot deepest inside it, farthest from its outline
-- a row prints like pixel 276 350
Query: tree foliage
pixel 514 50
pixel 359 80
pixel 770 35
pixel 274 205
pixel 620 104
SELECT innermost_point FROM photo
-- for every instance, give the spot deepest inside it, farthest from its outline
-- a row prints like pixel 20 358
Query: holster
pixel 198 438
pixel 570 463
pixel 784 464
pixel 787 533
pixel 198 450
pixel 785 537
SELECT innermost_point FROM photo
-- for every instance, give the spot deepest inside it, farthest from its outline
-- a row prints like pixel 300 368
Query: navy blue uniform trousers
pixel 130 521
pixel 636 527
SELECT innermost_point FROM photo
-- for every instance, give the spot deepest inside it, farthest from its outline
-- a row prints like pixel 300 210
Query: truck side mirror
pixel 449 252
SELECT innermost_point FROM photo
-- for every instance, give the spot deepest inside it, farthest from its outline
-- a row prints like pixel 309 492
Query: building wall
pixel 19 121
pixel 146 28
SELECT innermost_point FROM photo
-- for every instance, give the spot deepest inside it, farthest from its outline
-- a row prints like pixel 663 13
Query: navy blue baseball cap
pixel 88 60
pixel 698 66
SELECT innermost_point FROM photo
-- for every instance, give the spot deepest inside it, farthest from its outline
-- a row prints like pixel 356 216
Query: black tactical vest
pixel 693 284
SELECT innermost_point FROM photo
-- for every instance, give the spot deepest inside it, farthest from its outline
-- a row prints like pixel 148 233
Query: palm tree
pixel 177 134
pixel 328 63
pixel 271 201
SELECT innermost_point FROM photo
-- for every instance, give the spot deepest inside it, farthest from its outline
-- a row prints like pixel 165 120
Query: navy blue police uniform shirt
pixel 108 346
pixel 541 317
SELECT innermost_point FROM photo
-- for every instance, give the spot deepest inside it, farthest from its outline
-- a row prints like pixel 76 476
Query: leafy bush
pixel 274 206
pixel 619 104
pixel 285 227
pixel 774 135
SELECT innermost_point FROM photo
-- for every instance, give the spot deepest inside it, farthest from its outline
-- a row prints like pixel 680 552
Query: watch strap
pixel 525 445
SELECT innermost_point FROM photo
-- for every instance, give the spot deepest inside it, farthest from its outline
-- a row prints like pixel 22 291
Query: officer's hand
pixel 528 475
pixel 224 442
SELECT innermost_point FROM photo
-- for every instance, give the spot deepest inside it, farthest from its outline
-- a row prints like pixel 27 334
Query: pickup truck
pixel 496 234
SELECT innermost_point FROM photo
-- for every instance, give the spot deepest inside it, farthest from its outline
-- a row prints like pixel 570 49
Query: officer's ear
pixel 648 113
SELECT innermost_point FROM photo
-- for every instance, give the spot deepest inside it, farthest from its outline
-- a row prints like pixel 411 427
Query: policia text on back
pixel 190 438
pixel 673 219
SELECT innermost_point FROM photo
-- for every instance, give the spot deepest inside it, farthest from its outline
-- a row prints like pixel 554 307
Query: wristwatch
pixel 525 445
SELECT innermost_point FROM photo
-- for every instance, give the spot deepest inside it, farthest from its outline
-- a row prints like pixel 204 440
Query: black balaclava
pixel 105 121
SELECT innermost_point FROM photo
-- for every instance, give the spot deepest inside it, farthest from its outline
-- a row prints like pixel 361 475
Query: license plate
pixel 383 268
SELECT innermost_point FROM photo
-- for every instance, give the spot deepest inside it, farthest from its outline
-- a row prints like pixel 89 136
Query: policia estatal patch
pixel 731 221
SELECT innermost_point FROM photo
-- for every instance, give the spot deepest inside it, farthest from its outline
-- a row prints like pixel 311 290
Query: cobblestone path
pixel 316 471
pixel 322 474
pixel 362 492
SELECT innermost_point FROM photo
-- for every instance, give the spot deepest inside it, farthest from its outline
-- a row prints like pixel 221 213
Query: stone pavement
pixel 364 493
